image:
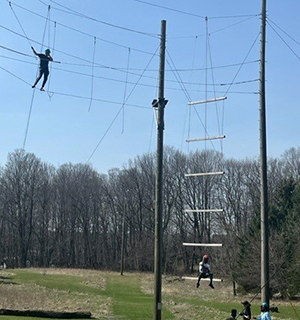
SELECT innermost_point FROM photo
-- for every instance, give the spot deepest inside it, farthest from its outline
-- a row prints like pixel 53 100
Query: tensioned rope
pixel 92 83
pixel 53 48
pixel 81 15
pixel 125 91
pixel 28 119
pixel 15 51
pixel 206 93
pixel 188 110
pixel 78 96
pixel 270 25
pixel 191 14
pixel 242 64
pixel 132 73
pixel 19 23
pixel 119 111
pixel 220 126
pixel 182 84
pixel 82 32
pixel 294 40
pixel 33 93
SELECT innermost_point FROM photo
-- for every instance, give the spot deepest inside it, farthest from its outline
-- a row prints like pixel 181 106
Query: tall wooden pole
pixel 158 181
pixel 123 239
pixel 263 167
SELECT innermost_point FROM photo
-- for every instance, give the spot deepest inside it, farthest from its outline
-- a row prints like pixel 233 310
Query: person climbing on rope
pixel 246 313
pixel 265 314
pixel 43 68
pixel 204 271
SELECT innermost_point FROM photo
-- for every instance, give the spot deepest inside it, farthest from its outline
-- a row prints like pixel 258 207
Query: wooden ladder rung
pixel 191 103
pixel 202 244
pixel 205 279
pixel 203 210
pixel 204 174
pixel 206 138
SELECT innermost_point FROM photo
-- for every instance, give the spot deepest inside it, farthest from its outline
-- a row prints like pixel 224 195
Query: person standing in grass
pixel 204 271
pixel 246 313
pixel 265 314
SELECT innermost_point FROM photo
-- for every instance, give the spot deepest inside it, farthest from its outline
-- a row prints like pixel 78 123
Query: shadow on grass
pixel 6 280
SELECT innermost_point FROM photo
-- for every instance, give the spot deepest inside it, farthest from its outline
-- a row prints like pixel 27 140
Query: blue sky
pixel 98 105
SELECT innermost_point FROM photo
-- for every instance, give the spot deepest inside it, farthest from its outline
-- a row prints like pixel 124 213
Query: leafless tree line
pixel 72 216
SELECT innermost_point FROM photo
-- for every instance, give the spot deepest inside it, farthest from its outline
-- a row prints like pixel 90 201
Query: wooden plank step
pixel 191 103
pixel 204 174
pixel 206 138
pixel 205 279
pixel 203 210
pixel 188 244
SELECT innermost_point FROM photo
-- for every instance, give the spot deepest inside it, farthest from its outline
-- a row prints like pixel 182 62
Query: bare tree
pixel 20 184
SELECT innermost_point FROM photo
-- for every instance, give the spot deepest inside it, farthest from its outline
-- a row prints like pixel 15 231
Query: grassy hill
pixel 108 295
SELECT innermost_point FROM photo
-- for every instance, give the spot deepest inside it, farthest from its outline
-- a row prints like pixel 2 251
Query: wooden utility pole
pixel 160 105
pixel 265 296
pixel 123 239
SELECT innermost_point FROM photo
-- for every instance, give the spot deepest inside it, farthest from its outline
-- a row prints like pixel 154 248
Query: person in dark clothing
pixel 233 315
pixel 44 67
pixel 205 272
pixel 246 313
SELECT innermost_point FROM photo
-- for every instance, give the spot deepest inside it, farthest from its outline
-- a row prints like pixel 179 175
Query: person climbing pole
pixel 205 272
pixel 43 68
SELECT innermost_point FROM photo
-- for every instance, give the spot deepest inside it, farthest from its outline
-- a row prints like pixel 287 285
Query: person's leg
pixel 46 74
pixel 199 278
pixel 38 79
pixel 211 280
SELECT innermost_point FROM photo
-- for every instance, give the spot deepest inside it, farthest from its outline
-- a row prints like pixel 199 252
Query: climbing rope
pixel 125 91
pixel 33 93
pixel 19 23
pixel 28 119
pixel 92 84
pixel 53 48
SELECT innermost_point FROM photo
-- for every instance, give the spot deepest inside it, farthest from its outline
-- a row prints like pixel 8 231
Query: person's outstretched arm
pixel 34 51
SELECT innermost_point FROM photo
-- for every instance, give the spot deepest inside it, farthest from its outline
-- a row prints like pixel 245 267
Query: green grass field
pixel 108 295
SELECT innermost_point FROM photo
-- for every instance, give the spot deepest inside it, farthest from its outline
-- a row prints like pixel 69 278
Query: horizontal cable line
pixel 97 99
pixel 193 14
pixel 170 9
pixel 135 74
pixel 59 51
pixel 152 86
pixel 81 15
pixel 78 96
pixel 234 24
pixel 236 83
pixel 123 69
pixel 167 70
pixel 215 31
pixel 81 32
pixel 156 70
pixel 15 51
